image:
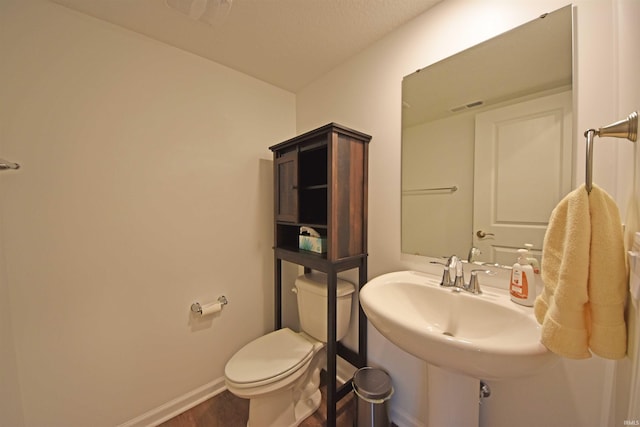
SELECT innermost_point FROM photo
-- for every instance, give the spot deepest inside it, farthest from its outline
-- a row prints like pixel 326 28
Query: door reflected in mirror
pixel 487 144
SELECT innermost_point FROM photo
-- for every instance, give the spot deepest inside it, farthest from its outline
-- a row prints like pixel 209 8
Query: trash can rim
pixel 372 384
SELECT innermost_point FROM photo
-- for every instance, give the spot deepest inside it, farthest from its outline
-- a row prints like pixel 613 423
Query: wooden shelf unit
pixel 320 181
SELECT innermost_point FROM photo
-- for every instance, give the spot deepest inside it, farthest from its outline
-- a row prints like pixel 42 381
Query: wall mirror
pixel 487 144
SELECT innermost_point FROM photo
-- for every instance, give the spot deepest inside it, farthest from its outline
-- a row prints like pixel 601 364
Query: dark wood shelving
pixel 320 181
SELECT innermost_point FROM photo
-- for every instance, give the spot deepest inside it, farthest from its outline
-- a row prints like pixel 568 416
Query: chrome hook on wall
pixel 5 164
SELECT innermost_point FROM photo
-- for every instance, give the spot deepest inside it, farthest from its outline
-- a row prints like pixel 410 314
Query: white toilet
pixel 280 372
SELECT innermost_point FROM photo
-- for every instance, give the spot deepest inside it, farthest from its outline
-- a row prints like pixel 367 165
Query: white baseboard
pixel 178 405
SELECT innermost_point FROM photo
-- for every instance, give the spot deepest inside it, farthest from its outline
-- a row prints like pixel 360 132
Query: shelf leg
pixel 277 269
pixel 332 282
pixel 362 318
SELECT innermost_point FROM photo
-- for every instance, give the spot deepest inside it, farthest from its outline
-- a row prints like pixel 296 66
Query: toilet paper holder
pixel 196 307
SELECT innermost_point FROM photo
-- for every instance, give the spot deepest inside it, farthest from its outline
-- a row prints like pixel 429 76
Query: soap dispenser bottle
pixel 522 287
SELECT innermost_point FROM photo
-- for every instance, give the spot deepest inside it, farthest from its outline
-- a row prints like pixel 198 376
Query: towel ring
pixel 626 128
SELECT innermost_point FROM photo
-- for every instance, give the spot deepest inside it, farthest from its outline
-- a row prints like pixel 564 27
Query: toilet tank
pixel 311 290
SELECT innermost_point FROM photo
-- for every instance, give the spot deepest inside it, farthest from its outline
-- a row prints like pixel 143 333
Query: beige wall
pixel 365 93
pixel 11 413
pixel 143 188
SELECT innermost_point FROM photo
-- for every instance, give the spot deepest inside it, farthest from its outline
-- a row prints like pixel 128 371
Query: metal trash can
pixel 373 388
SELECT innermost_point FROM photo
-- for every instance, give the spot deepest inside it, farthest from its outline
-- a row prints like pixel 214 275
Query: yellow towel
pixel 607 278
pixel 560 308
pixel 582 303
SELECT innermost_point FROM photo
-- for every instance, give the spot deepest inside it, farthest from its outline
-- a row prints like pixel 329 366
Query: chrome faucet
pixel 453 276
pixel 473 254
pixel 458 282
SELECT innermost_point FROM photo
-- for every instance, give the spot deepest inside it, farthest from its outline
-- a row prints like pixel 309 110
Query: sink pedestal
pixel 453 399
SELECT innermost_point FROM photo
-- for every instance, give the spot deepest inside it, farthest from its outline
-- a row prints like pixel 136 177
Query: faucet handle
pixel 474 284
pixel 446 278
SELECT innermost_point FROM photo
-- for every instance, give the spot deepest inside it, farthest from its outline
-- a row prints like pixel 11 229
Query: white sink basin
pixel 484 336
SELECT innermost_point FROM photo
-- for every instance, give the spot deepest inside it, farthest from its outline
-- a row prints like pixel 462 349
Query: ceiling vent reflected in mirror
pixel 468 106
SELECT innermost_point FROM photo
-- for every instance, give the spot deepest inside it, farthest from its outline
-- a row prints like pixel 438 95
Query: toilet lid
pixel 269 357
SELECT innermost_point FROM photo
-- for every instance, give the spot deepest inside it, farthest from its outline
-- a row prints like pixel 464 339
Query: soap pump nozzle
pixel 523 255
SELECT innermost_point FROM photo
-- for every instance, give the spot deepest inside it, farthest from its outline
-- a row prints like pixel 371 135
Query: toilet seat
pixel 268 359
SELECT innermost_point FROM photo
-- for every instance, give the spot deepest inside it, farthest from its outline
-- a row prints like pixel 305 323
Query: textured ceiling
pixel 288 43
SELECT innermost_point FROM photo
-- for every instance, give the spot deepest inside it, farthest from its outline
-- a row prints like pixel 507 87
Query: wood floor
pixel 227 410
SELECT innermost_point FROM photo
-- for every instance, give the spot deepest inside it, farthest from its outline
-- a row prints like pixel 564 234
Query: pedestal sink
pixel 474 337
